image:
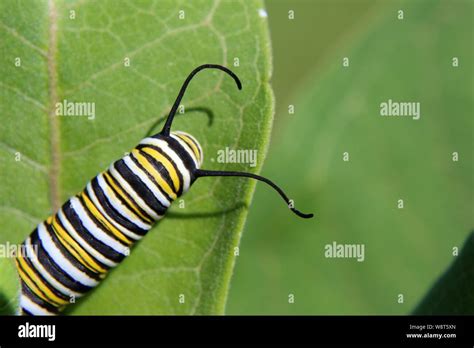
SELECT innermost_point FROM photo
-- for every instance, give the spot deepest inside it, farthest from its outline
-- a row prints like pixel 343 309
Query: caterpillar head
pixel 190 145
pixel 193 151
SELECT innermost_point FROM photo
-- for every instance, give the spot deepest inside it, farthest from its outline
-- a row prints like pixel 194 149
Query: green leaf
pixel 452 293
pixel 9 286
pixel 391 158
pixel 81 59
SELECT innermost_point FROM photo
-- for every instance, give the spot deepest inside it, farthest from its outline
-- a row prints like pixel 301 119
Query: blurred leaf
pixel 191 252
pixel 9 285
pixel 330 23
pixel 452 293
pixel 391 158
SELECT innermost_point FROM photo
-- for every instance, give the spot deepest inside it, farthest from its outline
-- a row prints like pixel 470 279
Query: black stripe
pixel 25 312
pixel 155 163
pixel 182 153
pixel 186 147
pixel 194 142
pixel 111 211
pixel 44 281
pixel 124 202
pixel 68 255
pixel 32 296
pixel 152 179
pixel 21 268
pixel 76 223
pixel 99 224
pixel 53 268
pixel 139 187
pixel 59 222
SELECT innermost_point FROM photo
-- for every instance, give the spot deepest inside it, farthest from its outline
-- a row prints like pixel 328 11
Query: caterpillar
pixel 70 252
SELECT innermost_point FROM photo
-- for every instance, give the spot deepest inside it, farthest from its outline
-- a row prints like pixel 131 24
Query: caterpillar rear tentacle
pixel 71 252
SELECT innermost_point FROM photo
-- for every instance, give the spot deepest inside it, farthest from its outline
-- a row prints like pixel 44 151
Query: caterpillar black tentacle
pixel 71 252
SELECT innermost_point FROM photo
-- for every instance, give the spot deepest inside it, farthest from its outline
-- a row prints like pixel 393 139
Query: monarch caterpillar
pixel 70 252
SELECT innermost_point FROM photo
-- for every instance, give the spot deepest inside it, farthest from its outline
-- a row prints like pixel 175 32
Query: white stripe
pixel 61 261
pixel 121 228
pixel 44 272
pixel 117 204
pixel 187 148
pixel 32 307
pixel 201 153
pixel 89 248
pixel 95 230
pixel 163 145
pixel 145 180
pixel 136 198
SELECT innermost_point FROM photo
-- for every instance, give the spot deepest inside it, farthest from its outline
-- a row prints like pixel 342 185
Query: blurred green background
pixel 337 110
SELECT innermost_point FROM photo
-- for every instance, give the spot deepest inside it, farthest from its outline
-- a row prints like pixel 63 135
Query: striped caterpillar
pixel 70 252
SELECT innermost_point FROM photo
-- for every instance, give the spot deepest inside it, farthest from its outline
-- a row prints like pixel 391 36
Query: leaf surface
pixel 79 51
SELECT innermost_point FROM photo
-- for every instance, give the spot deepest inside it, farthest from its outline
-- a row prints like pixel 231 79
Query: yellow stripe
pixel 111 195
pixel 193 146
pixel 78 252
pixel 166 163
pixel 33 288
pixel 28 281
pixel 120 192
pixel 32 280
pixel 152 170
pixel 103 220
pixel 74 253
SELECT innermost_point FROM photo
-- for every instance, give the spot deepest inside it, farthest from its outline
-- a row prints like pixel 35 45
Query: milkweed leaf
pixel 127 60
